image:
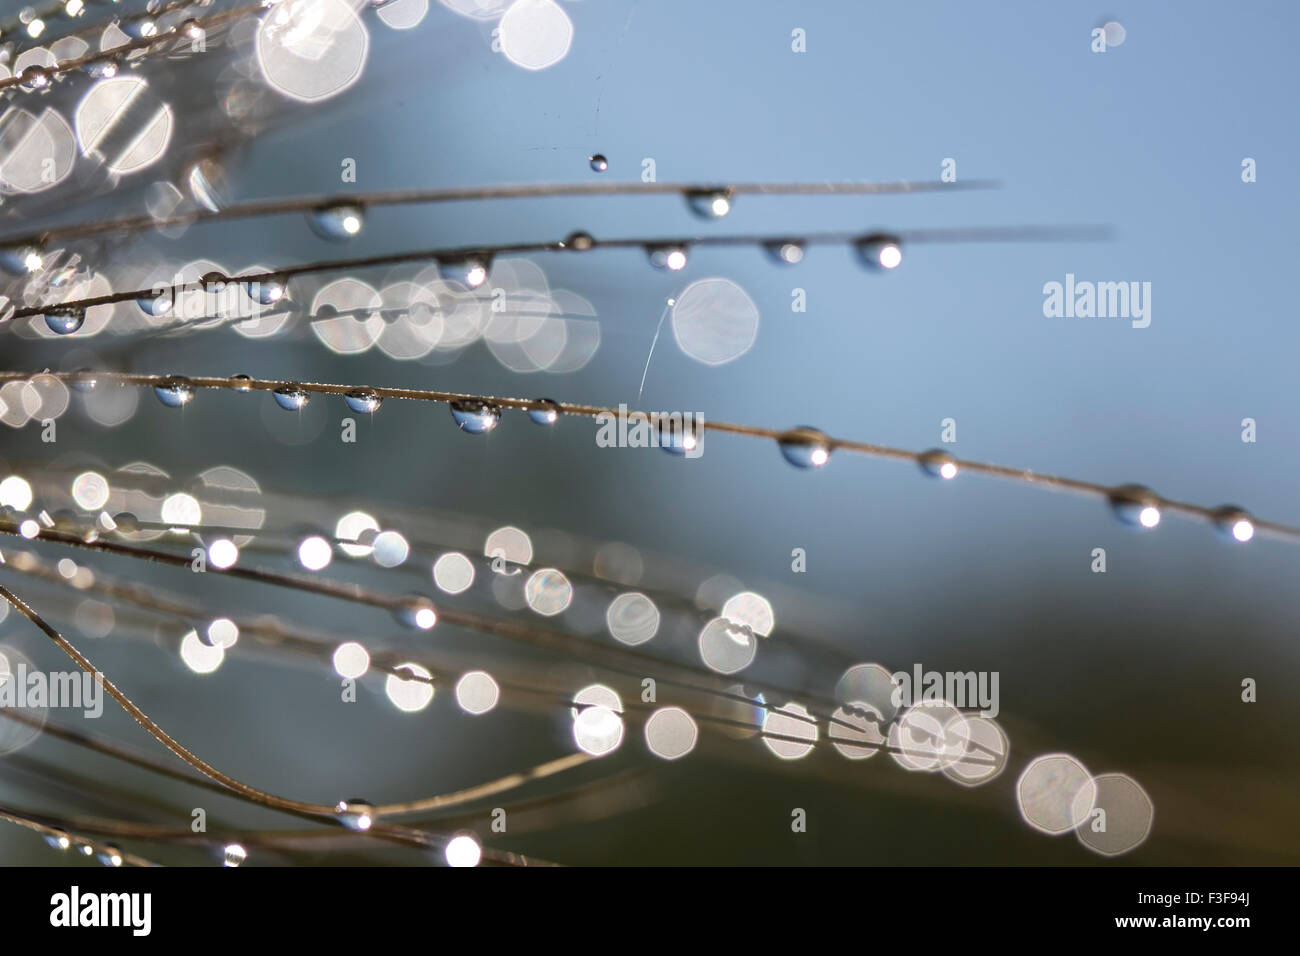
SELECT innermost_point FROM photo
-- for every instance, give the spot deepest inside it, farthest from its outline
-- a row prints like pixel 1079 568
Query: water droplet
pixel 193 29
pixel 174 391
pixel 579 242
pixel 1234 523
pixel 545 411
pixel 213 281
pixel 1136 505
pixel 242 383
pixel 805 447
pixel 880 251
pixel 709 203
pixel 124 522
pixel 291 398
pixel 471 271
pixel 337 222
pixel 155 303
pixel 672 258
pixel 86 383
pixel 65 321
pixel 21 260
pixel 680 435
pixel 109 855
pixel 474 416
pixel 58 839
pixel 140 29
pixel 35 79
pixel 101 69
pixel 598 162
pixel 233 855
pixel 417 611
pixel 939 464
pixel 363 401
pixel 266 291
pixel 787 252
pixel 462 850
pixel 355 814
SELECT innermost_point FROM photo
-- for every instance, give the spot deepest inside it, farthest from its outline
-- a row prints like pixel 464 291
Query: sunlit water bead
pixel 233 855
pixel 36 79
pixel 291 398
pixel 139 28
pixel 786 252
pixel 65 321
pixel 155 303
pixel 881 251
pixel 680 436
pixel 462 850
pixel 709 203
pixel 337 222
pixel 598 162
pixel 355 814
pixel 85 381
pixel 1136 506
pixel 474 416
pixel 805 447
pixel 363 401
pixel 175 391
pixel 670 257
pixel 58 840
pixel 109 855
pixel 578 241
pixel 544 411
pixel 21 260
pixel 1234 523
pixel 103 68
pixel 241 383
pixel 266 291
pixel 938 464
pixel 223 553
pixel 418 612
pixel 470 271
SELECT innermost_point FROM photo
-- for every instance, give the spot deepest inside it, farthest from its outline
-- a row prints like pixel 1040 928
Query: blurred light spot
pixel 598 730
pixel 453 572
pixel 410 695
pixel 223 633
pixel 632 618
pixel 390 549
pixel 315 553
pixel 726 647
pixel 351 660
pixel 510 544
pixel 849 726
pixel 352 527
pixel 477 692
pixel 548 592
pixel 463 851
pixel 535 34
pixel 715 321
pixel 200 657
pixel 181 509
pixel 90 490
pixel 15 493
pixel 786 722
pixel 984 750
pixel 1120 819
pixel 752 610
pixel 311 49
pixel 123 123
pixel 223 553
pixel 1055 793
pixel 670 732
